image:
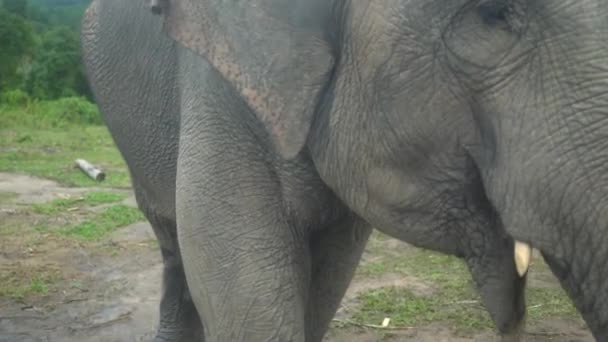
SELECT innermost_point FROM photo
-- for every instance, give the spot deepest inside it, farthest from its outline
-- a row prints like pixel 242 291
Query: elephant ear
pixel 274 52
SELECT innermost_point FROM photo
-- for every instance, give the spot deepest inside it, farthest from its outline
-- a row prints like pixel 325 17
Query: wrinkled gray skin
pixel 302 123
pixel 287 246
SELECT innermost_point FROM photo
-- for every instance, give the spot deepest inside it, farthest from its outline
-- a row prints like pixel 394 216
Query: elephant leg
pixel 179 320
pixel 335 254
pixel 247 268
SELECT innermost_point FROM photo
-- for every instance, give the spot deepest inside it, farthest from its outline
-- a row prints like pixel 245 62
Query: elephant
pixel 265 139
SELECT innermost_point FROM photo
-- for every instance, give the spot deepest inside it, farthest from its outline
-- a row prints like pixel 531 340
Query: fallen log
pixel 90 170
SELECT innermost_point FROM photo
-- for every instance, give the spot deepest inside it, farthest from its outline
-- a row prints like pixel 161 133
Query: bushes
pixel 56 70
pixel 17 43
pixel 42 80
pixel 17 109
pixel 14 98
pixel 75 110
pixel 40 48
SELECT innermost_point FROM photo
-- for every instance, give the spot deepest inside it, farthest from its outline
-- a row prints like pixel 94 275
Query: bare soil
pixel 109 291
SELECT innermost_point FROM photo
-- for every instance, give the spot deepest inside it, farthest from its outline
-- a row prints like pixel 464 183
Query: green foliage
pixel 15 98
pixel 18 7
pixel 75 110
pixel 40 48
pixel 59 113
pixel 56 70
pixel 45 13
pixel 18 110
pixel 17 43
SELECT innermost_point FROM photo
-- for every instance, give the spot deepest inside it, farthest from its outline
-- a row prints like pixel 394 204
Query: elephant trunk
pixel 544 164
pixel 557 202
pixel 574 244
pixel 501 288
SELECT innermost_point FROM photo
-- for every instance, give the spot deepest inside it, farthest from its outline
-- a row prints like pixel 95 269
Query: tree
pixel 56 70
pixel 17 42
pixel 40 48
pixel 18 7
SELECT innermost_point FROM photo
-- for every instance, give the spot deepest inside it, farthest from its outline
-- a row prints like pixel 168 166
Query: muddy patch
pixel 104 299
pixel 62 289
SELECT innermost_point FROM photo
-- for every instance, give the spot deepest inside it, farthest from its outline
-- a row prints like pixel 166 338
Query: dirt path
pixel 108 291
pixel 107 298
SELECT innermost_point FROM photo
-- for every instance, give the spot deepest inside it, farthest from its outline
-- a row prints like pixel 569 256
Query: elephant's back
pixel 132 68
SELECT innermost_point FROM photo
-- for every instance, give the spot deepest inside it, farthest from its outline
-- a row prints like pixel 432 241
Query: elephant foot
pixel 188 329
pixel 516 334
pixel 167 335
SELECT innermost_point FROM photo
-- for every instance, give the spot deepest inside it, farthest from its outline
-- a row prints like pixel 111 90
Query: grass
pixel 44 138
pixel 50 153
pixel 20 110
pixel 42 229
pixel 103 223
pixel 549 302
pixel 102 197
pixel 90 199
pixel 19 285
pixel 7 197
pixel 454 301
pixel 23 278
pixel 407 309
pixel 448 274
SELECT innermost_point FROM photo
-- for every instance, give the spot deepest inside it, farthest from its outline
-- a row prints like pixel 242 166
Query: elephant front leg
pixel 178 321
pixel 246 268
pixel 335 254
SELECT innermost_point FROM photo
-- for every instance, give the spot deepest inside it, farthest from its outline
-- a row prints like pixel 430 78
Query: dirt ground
pixel 109 291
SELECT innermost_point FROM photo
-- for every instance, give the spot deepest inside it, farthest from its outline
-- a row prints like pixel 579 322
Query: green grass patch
pixel 374 269
pixel 90 198
pixel 103 223
pixel 57 113
pixel 51 152
pixel 455 300
pixel 19 286
pixel 406 309
pixel 103 197
pixel 44 138
pixel 424 264
pixel 549 302
pixel 7 197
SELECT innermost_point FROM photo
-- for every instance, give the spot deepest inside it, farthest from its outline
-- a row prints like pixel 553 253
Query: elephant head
pixel 460 126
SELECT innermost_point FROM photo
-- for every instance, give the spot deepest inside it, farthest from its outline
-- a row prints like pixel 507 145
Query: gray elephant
pixel 266 137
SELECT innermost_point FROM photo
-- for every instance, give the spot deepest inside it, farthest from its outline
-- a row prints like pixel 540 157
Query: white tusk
pixel 523 254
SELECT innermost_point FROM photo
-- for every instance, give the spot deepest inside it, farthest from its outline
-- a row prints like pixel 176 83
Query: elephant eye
pixel 494 12
pixel 482 32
